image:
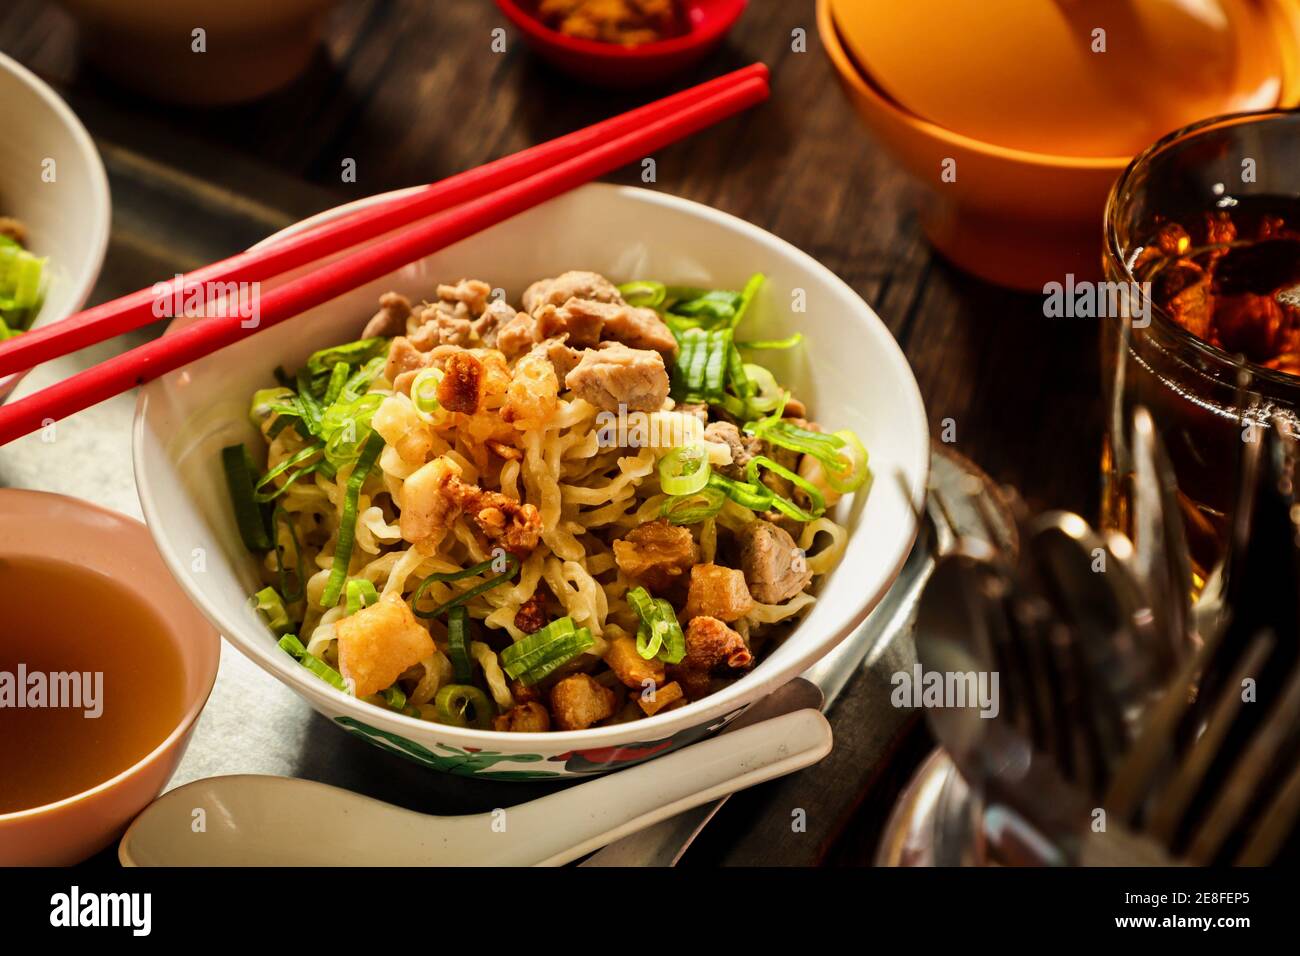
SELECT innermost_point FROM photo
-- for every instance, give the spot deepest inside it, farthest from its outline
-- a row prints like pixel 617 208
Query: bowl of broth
pixel 104 667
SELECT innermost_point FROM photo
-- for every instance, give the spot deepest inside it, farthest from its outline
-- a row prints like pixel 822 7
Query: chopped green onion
pixel 338 378
pixel 814 493
pixel 353 353
pixel 271 606
pixel 700 372
pixel 458 644
pixel 643 293
pixel 463 705
pixel 295 459
pixel 756 496
pixel 348 523
pixel 512 565
pixel 693 508
pixel 714 306
pixel 424 391
pixel 845 473
pixel 737 374
pixel 660 635
pixel 21 288
pixel 360 593
pixel 767 391
pixel 684 470
pixel 310 410
pixel 240 478
pixel 747 296
pixel 542 652
pixel 265 401
pixel 789 342
pixel 293 647
pixel 345 426
pixel 394 696
pixel 364 376
pixel 300 572
pixel 860 472
pixel 786 434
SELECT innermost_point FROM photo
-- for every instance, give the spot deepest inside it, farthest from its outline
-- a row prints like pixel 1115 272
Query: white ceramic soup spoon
pixel 257 820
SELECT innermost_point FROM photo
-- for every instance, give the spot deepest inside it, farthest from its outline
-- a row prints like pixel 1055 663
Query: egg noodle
pixel 541 452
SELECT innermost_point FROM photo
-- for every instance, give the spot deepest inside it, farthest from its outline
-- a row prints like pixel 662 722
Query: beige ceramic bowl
pixel 68 214
pixel 250 47
pixel 66 529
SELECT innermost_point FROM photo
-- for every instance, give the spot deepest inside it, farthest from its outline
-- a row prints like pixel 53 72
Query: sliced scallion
pixel 360 593
pixel 458 644
pixel 424 391
pixel 464 705
pixel 512 566
pixel 660 634
pixel 684 470
pixel 348 523
pixel 240 480
pixel 643 293
pixel 293 647
pixel 693 508
pixel 271 605
pixel 542 652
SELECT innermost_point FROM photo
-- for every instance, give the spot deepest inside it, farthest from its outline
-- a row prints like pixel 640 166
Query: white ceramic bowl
pixel 850 372
pixel 67 218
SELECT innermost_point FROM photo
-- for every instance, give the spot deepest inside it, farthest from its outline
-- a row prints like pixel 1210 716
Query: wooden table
pixel 409 90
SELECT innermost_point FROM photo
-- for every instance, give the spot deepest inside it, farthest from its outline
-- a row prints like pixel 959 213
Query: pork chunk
pixel 378 643
pixel 442 324
pixel 529 717
pixel 774 568
pixel 717 591
pixel 390 320
pixel 615 376
pixel 531 616
pixel 711 645
pixel 404 357
pixel 656 554
pixel 570 285
pixel 430 502
pixel 638 328
pixel 472 292
pixel 461 388
pixel 630 667
pixel 578 701
pixel 581 320
pixel 517 335
pixel 742 447
pixel 517 528
pixel 564 358
pixel 664 698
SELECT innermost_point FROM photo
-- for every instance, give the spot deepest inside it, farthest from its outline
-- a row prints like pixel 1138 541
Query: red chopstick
pixel 136 309
pixel 170 352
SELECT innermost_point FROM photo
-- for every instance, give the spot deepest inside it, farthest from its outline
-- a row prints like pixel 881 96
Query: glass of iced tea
pixel 1204 229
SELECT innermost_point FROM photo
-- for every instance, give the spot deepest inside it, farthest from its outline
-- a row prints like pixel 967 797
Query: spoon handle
pixel 565 826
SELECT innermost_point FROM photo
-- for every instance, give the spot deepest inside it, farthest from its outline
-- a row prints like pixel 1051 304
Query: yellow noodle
pixel 492 673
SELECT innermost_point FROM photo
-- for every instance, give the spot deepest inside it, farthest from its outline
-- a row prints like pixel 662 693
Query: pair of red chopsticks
pixel 465 203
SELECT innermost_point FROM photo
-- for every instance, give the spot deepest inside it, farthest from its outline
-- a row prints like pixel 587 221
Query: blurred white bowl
pixel 67 217
pixel 850 372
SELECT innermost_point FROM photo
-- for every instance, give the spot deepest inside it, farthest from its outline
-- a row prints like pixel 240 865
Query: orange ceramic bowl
pixel 1015 218
pixel 37 524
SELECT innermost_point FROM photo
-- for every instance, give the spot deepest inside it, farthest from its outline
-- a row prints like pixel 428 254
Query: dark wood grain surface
pixel 411 91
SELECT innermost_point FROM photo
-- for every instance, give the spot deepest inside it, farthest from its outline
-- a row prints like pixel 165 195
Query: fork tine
pixel 1251 769
pixel 1132 780
pixel 1275 824
pixel 1171 804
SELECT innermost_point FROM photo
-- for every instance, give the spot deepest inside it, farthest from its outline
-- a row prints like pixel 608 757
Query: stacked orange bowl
pixel 1014 118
